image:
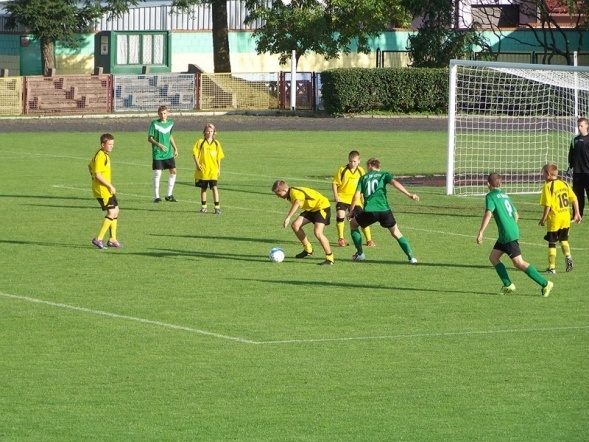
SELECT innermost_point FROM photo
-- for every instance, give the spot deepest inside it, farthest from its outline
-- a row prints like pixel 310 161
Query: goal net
pixel 512 119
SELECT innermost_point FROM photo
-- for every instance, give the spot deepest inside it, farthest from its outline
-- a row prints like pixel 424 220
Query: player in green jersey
pixel 372 187
pixel 164 153
pixel 499 206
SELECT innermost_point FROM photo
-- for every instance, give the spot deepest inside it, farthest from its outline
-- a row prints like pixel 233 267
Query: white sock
pixel 171 182
pixel 156 183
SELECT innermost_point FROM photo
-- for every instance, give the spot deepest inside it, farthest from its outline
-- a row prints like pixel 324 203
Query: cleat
pixel 546 290
pixel 341 242
pixel 157 200
pixel 569 263
pixel 303 254
pixel 98 243
pixel 327 262
pixel 114 244
pixel 413 261
pixel 507 290
pixel 551 271
pixel 358 257
pixel 171 199
pixel 371 244
pixel 217 211
pixel 203 210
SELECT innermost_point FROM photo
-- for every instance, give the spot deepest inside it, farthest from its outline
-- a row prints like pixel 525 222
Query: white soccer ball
pixel 276 255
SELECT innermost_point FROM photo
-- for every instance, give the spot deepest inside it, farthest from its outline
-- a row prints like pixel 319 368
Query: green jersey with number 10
pixel 373 186
pixel 504 213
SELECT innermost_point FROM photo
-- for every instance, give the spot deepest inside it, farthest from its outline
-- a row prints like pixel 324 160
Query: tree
pixel 326 27
pixel 550 22
pixel 221 54
pixel 437 42
pixel 59 21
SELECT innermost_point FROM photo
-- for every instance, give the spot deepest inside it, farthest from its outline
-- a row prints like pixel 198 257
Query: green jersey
pixel 373 187
pixel 162 132
pixel 504 212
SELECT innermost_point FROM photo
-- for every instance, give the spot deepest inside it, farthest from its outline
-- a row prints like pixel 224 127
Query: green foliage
pixel 52 21
pixel 399 90
pixel 326 28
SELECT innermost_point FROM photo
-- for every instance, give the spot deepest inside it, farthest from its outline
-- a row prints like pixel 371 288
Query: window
pixel 141 49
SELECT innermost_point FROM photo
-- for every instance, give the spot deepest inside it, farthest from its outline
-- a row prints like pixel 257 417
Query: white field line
pixel 129 318
pixel 289 341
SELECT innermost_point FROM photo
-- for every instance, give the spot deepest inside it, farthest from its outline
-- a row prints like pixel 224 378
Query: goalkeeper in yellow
pixel 556 198
pixel 344 186
pixel 316 210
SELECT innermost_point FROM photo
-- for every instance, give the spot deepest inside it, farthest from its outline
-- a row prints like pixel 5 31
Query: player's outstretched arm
pixel 484 223
pixel 397 185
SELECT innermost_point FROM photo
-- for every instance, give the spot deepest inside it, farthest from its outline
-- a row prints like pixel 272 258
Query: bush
pixel 398 90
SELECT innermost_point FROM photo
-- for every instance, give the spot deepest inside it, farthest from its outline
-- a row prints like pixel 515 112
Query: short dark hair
pixel 106 137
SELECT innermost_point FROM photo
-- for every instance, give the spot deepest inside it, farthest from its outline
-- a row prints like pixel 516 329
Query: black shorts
pixel 319 216
pixel 511 248
pixel 386 219
pixel 170 163
pixel 346 208
pixel 559 235
pixel 203 184
pixel 111 203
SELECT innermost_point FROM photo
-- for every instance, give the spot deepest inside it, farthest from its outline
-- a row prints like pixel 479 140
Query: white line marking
pixel 288 341
pixel 426 335
pixel 130 318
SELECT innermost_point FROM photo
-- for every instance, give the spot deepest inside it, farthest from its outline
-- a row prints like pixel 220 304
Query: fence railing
pixel 95 94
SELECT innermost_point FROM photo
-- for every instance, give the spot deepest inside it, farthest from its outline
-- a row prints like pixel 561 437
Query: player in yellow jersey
pixel 104 192
pixel 208 153
pixel 316 210
pixel 556 198
pixel 344 186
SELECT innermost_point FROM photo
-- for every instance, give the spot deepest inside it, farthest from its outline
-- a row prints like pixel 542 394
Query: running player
pixel 499 206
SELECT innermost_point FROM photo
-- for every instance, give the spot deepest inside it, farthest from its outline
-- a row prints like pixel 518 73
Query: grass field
pixel 190 333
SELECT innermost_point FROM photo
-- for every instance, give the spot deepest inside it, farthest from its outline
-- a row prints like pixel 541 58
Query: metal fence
pixel 92 94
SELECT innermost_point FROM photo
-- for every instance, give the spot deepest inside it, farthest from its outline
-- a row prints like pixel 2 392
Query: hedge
pixel 398 90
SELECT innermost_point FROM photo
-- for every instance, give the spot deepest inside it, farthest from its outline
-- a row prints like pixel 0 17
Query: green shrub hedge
pixel 399 90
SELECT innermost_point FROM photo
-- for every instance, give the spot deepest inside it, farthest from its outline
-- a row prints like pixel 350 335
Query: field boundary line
pixel 129 318
pixel 287 341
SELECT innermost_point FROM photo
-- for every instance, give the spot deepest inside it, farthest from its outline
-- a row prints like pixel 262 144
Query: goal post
pixel 510 118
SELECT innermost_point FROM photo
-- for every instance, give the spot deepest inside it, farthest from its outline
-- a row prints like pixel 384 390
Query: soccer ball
pixel 276 254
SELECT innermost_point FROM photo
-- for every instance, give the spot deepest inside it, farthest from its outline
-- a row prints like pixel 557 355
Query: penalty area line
pixel 129 318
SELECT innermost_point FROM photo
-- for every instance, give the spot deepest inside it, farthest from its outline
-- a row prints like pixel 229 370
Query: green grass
pixel 190 333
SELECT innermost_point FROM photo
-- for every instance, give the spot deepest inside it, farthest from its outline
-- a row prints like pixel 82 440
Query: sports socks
pixel 329 257
pixel 357 239
pixel 533 273
pixel 405 246
pixel 113 229
pixel 171 182
pixel 106 224
pixel 551 256
pixel 157 174
pixel 367 233
pixel 340 227
pixel 307 246
pixel 502 272
pixel 566 249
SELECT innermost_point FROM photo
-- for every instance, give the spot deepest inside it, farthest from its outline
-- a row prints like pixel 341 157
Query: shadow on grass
pixel 45 197
pixel 230 238
pixel 361 287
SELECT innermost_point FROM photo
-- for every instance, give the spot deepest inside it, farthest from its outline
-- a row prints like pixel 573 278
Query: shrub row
pixel 399 90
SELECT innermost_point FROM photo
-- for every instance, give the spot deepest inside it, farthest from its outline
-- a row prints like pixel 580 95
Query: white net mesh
pixel 512 120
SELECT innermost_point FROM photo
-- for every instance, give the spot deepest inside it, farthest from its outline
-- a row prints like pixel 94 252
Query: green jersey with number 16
pixel 504 213
pixel 373 186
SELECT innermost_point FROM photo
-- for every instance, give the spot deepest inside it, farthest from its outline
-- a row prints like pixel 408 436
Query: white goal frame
pixel 511 118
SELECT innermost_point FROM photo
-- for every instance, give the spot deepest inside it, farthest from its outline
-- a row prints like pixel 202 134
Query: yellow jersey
pixel 100 163
pixel 209 156
pixel 346 181
pixel 310 200
pixel 557 195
